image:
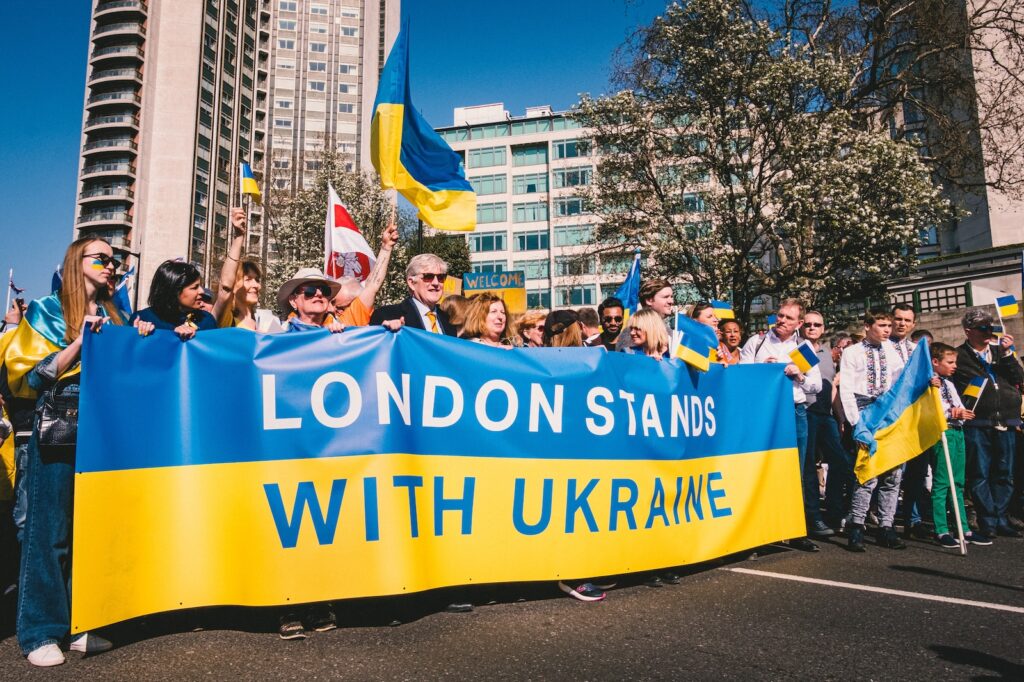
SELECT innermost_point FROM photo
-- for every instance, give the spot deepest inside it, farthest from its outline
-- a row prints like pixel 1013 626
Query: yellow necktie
pixel 432 316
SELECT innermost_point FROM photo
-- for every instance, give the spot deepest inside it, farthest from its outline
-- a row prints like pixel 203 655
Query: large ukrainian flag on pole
pixel 411 157
pixel 905 421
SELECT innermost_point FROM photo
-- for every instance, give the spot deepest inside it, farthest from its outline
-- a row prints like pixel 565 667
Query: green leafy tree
pixel 723 159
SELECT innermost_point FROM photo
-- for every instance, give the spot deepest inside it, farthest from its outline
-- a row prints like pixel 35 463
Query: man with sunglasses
pixel 610 315
pixel 425 276
pixel 307 297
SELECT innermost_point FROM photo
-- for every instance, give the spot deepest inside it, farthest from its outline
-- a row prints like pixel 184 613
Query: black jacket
pixel 407 309
pixel 999 403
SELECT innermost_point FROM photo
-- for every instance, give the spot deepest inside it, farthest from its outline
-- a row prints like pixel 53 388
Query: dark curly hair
pixel 168 282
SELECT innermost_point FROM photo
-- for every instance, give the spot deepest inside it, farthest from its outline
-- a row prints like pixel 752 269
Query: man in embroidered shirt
pixel 775 346
pixel 904 319
pixel 869 369
pixel 991 436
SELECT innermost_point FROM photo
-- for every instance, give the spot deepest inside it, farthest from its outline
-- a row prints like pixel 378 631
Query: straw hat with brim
pixel 303 277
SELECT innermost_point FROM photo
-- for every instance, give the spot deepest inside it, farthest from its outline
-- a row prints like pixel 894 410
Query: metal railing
pixel 112 192
pixel 117 142
pixel 120 4
pixel 119 50
pixel 114 73
pixel 111 118
pixel 108 168
pixel 104 216
pixel 133 26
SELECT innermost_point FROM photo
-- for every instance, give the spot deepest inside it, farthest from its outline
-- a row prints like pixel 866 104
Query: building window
pixel 573 177
pixel 346 108
pixel 490 266
pixel 345 88
pixel 573 235
pixel 575 295
pixel 529 155
pixel 489 184
pixel 532 212
pixel 285 64
pixel 318 66
pixel 283 164
pixel 318 10
pixel 489 131
pixel 568 206
pixel 313 165
pixel 318 47
pixel 282 123
pixel 492 213
pixel 488 156
pixel 288 6
pixel 565 124
pixel 287 24
pixel 541 298
pixel 574 266
pixel 533 269
pixel 616 263
pixel 538 125
pixel 530 184
pixel 286 44
pixel 349 31
pixel 347 69
pixel 457 135
pixel 283 104
pixel 531 241
pixel 350 12
pixel 568 149
pixel 488 241
pixel 318 86
pixel 318 28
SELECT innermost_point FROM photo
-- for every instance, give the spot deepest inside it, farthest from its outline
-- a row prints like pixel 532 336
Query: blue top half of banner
pixel 230 396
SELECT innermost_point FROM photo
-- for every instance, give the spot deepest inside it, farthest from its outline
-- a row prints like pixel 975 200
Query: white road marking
pixel 879 590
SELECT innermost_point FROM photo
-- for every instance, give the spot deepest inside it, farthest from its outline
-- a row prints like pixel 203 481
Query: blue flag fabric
pixel 629 292
pixel 122 294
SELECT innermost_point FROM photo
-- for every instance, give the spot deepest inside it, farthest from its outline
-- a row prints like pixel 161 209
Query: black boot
pixel 889 538
pixel 855 537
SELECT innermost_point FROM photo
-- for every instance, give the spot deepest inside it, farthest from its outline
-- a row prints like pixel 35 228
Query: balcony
pixel 132 28
pixel 109 145
pixel 111 121
pixel 96 219
pixel 106 194
pixel 99 170
pixel 108 75
pixel 111 7
pixel 120 97
pixel 116 52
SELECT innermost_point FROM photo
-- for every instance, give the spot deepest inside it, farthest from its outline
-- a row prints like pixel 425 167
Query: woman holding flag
pixel 43 359
pixel 240 283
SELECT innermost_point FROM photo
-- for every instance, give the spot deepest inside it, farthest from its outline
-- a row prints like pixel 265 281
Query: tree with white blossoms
pixel 725 160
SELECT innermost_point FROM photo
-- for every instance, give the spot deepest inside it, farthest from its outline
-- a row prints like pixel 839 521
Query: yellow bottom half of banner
pixel 282 532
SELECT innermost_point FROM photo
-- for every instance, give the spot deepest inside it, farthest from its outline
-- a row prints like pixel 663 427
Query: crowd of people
pixel 40 362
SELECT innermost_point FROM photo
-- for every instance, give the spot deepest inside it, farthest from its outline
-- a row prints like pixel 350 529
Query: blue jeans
pixel 808 470
pixel 20 485
pixel 990 474
pixel 44 586
pixel 823 436
pixel 914 494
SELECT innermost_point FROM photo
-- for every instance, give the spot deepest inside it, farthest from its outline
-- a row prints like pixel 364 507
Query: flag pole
pixel 10 281
pixel 952 491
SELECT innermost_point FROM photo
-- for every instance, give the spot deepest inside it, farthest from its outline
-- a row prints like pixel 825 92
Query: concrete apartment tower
pixel 325 62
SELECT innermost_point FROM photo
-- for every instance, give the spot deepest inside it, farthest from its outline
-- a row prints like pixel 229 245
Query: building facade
pixel 527 172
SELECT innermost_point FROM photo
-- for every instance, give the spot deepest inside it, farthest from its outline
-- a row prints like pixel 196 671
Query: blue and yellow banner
pixel 261 470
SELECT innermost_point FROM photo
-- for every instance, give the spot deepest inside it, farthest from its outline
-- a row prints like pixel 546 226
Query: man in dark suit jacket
pixel 425 278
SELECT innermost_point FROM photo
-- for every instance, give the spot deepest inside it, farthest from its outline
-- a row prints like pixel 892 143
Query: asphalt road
pixel 717 624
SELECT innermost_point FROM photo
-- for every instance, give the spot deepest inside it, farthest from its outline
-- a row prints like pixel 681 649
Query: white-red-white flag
pixel 346 253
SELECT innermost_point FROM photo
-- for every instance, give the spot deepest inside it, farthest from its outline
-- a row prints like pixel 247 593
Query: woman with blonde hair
pixel 43 361
pixel 562 329
pixel 647 335
pixel 528 330
pixel 486 320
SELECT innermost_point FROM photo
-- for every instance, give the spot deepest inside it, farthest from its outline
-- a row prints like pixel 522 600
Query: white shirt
pixel 423 310
pixel 904 348
pixel 853 368
pixel 759 348
pixel 950 399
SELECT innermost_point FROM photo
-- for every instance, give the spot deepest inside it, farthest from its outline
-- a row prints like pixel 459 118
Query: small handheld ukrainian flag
pixel 629 292
pixel 248 182
pixel 804 357
pixel 974 389
pixel 1007 306
pixel 723 310
pixel 904 421
pixel 697 343
pixel 410 157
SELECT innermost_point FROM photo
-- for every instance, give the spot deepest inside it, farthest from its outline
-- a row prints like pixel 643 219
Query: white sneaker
pixel 90 644
pixel 46 656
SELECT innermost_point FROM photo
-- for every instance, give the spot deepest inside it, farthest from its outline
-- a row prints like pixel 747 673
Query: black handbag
pixel 57 416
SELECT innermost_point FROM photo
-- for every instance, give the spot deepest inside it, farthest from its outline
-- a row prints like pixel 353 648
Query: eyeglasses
pixel 609 318
pixel 431 276
pixel 311 290
pixel 104 259
pixel 540 328
pixel 814 324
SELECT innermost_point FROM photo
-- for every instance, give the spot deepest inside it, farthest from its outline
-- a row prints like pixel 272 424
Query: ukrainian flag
pixel 723 310
pixel 974 389
pixel 804 357
pixel 1007 306
pixel 248 180
pixel 40 333
pixel 697 343
pixel 629 292
pixel 905 421
pixel 411 157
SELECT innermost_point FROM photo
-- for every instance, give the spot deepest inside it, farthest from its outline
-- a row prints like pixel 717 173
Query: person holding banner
pixel 528 329
pixel 486 321
pixel 732 339
pixel 647 333
pixel 43 359
pixel 776 345
pixel 991 436
pixel 562 330
pixel 868 370
pixel 425 276
pixel 175 296
pixel 308 296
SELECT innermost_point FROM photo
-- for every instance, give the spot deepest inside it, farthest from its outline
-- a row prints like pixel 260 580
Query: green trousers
pixel 941 487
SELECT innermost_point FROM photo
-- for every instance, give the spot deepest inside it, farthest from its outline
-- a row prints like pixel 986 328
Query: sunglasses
pixel 814 324
pixel 104 259
pixel 431 276
pixel 311 290
pixel 612 319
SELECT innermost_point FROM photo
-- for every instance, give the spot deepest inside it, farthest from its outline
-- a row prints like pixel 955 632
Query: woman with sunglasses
pixel 307 296
pixel 45 355
pixel 175 297
pixel 528 330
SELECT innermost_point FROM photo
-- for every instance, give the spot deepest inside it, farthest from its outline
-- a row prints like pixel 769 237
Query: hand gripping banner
pixel 248 469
